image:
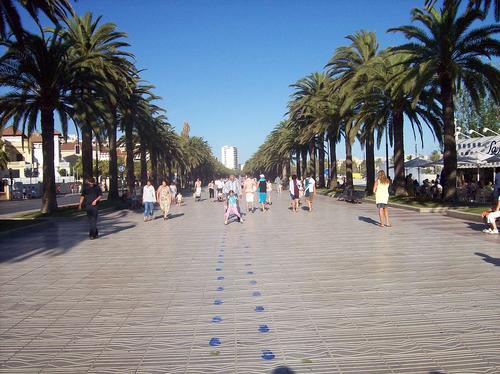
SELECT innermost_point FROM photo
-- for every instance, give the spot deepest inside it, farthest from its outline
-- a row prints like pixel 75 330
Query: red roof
pixel 9 131
pixel 69 146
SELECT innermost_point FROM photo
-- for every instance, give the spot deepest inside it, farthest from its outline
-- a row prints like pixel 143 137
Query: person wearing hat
pixel 262 190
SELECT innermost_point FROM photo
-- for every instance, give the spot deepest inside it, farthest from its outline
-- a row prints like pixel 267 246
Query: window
pixel 479 144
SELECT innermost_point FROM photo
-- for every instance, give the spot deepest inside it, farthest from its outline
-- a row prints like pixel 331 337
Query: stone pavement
pixel 321 292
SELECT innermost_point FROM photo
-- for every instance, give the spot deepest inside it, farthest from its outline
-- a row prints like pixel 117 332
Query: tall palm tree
pixel 347 69
pixel 40 77
pixel 99 47
pixel 388 99
pixel 10 19
pixel 446 52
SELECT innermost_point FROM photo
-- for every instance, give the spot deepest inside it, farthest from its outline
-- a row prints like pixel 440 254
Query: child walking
pixel 381 190
pixel 232 207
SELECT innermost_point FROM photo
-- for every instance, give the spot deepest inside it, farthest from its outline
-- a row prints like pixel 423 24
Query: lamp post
pixel 486 129
pixel 475 132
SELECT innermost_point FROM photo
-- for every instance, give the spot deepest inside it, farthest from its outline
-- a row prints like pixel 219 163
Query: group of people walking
pixel 165 195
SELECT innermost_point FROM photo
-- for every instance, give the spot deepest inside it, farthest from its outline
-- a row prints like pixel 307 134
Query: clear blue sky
pixel 225 66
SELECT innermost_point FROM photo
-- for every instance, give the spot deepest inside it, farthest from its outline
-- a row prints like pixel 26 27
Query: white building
pixel 229 156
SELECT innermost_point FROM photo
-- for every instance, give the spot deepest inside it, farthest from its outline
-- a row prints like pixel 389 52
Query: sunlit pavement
pixel 321 292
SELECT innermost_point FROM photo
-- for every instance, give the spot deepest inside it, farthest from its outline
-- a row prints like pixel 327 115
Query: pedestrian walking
pixel 90 197
pixel 381 190
pixel 249 189
pixel 197 190
pixel 310 191
pixel 211 189
pixel 173 192
pixel 269 189
pixel 294 192
pixel 232 207
pixel 164 197
pixel 277 182
pixel 262 190
pixel 232 184
pixel 148 200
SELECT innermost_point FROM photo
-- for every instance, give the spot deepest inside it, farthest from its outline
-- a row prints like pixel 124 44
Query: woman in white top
pixel 310 191
pixel 381 191
pixel 148 199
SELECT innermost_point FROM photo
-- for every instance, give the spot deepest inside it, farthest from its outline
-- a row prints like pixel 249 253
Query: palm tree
pixel 387 100
pixel 348 70
pixel 100 49
pixel 485 4
pixel 10 18
pixel 40 76
pixel 446 53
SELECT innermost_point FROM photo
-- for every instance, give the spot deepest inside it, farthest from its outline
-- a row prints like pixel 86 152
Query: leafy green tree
pixel 470 117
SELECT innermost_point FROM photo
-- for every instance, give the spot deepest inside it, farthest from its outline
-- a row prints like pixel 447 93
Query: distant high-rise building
pixel 229 156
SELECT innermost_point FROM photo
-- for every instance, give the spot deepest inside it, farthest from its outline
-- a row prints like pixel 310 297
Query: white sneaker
pixel 490 231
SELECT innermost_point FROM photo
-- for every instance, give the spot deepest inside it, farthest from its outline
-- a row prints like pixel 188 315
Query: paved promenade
pixel 321 292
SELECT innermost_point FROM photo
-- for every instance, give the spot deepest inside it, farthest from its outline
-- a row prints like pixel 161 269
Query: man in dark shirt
pixel 91 195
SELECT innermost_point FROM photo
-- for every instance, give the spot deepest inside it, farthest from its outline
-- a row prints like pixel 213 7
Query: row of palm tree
pixel 366 93
pixel 83 72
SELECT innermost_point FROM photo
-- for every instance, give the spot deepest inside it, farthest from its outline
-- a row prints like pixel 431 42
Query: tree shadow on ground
pixel 57 237
pixel 368 220
pixel 487 258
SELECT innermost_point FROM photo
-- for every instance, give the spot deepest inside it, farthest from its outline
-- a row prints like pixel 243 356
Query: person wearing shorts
pixel 310 191
pixel 381 191
pixel 249 190
pixel 294 193
pixel 262 189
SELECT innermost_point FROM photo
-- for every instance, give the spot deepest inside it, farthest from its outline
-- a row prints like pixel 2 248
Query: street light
pixel 474 131
pixel 485 130
pixel 464 135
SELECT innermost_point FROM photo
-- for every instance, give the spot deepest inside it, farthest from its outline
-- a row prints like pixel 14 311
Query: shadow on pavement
pixel 56 238
pixel 476 226
pixel 368 220
pixel 283 370
pixel 490 260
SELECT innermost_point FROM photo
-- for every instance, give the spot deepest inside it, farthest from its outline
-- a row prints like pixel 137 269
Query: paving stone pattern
pixel 321 292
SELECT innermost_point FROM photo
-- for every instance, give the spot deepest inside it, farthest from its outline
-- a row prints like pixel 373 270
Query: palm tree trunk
pixel 399 152
pixel 450 151
pixel 333 161
pixel 144 165
pixel 113 160
pixel 96 172
pixel 321 156
pixel 298 171
pixel 154 166
pixel 348 162
pixel 304 162
pixel 370 162
pixel 87 156
pixel 312 158
pixel 129 147
pixel 49 198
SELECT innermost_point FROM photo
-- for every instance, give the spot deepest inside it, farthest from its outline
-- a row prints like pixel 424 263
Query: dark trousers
pixel 211 193
pixel 92 217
